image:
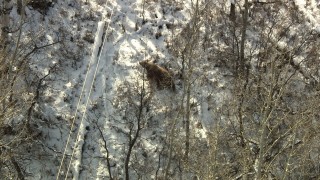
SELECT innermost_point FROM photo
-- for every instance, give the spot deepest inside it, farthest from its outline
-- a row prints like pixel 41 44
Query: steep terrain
pixel 95 115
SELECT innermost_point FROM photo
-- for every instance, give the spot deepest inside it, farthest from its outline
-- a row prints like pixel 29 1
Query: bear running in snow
pixel 158 75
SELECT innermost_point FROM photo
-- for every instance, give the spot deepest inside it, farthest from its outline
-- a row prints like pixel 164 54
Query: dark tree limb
pixel 134 136
pixel 107 150
pixel 18 168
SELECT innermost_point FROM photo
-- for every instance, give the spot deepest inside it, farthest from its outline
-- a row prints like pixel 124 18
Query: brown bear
pixel 158 75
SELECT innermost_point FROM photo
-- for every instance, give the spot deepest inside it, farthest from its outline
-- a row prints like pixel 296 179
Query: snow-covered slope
pixel 102 43
pixel 90 110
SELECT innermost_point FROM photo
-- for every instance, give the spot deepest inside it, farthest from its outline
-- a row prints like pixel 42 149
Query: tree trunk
pixel 133 140
pixel 4 24
pixel 187 143
pixel 232 14
pixel 243 37
pixel 263 135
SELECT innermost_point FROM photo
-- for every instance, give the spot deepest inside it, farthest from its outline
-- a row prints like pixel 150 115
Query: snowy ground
pixel 102 43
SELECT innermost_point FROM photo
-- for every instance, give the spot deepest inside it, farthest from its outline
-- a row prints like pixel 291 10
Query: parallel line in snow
pixel 88 98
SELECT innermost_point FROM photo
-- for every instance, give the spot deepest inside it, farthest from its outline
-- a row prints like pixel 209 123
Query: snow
pixel 103 66
pixel 91 75
pixel 91 72
pixel 311 12
pixel 116 55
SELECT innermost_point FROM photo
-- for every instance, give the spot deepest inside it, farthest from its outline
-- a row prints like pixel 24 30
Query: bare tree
pixel 136 100
pixel 271 86
pixel 184 47
pixel 20 93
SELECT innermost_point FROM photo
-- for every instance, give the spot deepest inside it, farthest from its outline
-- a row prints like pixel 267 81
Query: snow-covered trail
pixel 85 97
pixel 99 86
pixel 104 78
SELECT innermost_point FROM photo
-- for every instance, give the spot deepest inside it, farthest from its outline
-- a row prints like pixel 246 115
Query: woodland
pixel 76 104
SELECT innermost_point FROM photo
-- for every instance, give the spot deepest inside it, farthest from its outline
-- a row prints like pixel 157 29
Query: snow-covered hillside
pixel 95 115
